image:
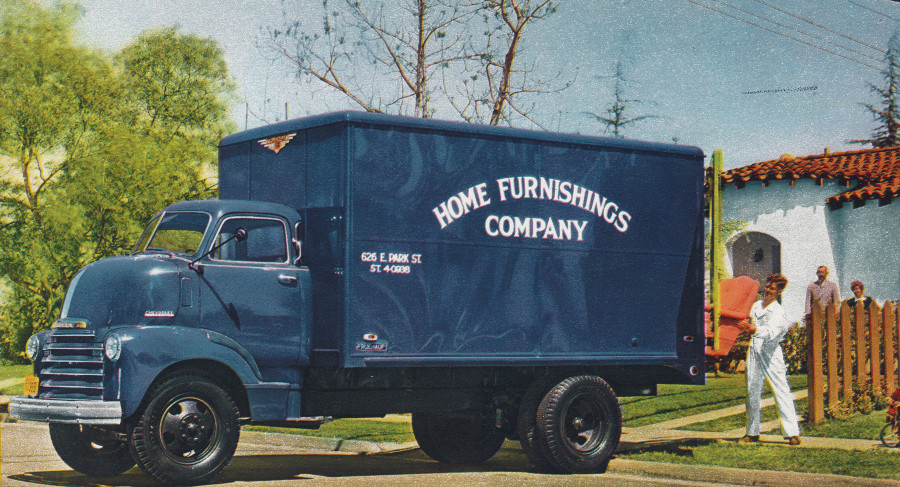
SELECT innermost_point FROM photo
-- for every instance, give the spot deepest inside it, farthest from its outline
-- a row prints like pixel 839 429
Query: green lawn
pixel 353 429
pixel 736 421
pixel 861 426
pixel 733 391
pixel 677 401
pixel 13 372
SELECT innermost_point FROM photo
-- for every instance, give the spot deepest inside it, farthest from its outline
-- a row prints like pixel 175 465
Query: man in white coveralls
pixel 765 359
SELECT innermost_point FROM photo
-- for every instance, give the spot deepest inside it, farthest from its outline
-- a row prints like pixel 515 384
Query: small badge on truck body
pixel 159 314
pixel 275 144
pixel 380 346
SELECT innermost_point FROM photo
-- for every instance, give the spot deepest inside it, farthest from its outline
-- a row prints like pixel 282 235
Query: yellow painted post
pixel 715 253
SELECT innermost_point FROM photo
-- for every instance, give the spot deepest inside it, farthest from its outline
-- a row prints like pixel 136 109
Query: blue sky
pixel 712 81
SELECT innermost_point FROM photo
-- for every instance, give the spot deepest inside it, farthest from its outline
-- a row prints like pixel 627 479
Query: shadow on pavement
pixel 262 468
pixel 674 446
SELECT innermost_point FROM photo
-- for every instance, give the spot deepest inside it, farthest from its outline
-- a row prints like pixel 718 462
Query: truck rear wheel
pixel 534 445
pixel 188 431
pixel 462 437
pixel 90 450
pixel 581 422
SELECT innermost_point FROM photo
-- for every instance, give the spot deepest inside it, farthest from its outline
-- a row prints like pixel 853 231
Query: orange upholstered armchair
pixel 736 296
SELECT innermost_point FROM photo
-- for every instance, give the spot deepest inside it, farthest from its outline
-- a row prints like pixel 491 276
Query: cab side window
pixel 266 240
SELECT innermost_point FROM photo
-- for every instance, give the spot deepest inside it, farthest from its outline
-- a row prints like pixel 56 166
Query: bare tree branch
pixel 385 57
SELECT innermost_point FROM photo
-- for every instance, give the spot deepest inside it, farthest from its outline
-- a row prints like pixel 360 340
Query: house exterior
pixel 831 209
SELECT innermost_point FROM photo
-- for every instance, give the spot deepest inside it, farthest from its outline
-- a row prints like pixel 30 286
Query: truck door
pixel 250 290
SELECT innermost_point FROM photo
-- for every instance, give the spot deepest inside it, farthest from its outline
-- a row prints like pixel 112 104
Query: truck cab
pixel 214 290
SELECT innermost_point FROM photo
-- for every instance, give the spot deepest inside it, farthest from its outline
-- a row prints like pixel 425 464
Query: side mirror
pixel 239 235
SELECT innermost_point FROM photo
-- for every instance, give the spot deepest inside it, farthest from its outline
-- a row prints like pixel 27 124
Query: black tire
pixel 90 450
pixel 581 422
pixel 461 438
pixel 188 431
pixel 889 436
pixel 534 446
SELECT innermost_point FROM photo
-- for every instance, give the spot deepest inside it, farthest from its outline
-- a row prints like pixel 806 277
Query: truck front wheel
pixel 188 431
pixel 90 450
pixel 462 437
pixel 581 421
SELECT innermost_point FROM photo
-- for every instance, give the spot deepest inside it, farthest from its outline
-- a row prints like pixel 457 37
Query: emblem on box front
pixel 278 142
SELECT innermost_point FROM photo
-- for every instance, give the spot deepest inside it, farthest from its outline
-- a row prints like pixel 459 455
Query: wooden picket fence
pixel 848 344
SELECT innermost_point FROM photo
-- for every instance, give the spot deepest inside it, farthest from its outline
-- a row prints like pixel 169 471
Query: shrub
pixel 794 345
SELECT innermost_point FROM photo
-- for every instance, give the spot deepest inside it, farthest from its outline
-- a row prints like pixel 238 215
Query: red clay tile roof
pixel 877 172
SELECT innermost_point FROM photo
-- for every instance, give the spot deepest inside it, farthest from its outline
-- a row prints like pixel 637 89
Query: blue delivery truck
pixel 495 283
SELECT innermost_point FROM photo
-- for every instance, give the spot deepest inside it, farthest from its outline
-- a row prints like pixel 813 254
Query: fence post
pixel 896 317
pixel 890 364
pixel 814 366
pixel 860 342
pixel 831 336
pixel 875 347
pixel 846 351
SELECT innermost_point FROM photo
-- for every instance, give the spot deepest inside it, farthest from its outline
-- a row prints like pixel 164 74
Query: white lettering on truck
pixel 536 188
pixel 461 204
pixel 530 227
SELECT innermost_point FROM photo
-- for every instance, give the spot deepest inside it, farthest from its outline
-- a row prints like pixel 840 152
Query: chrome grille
pixel 72 365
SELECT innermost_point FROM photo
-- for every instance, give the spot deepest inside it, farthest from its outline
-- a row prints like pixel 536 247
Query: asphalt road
pixel 28 459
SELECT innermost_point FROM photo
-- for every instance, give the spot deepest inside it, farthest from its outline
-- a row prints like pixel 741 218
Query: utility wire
pixel 816 46
pixel 820 25
pixel 802 31
pixel 875 11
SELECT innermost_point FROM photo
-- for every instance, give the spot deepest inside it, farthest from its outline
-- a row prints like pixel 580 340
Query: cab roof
pixel 218 208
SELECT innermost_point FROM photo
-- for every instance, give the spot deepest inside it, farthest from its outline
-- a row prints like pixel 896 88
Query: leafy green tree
pixel 46 87
pixel 887 111
pixel 180 85
pixel 91 147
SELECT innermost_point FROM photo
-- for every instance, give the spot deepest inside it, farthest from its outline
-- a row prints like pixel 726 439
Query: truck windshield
pixel 180 232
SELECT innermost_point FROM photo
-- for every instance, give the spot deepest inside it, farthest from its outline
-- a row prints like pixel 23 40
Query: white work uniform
pixel 765 359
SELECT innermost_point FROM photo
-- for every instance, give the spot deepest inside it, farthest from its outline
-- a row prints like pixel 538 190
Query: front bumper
pixel 65 410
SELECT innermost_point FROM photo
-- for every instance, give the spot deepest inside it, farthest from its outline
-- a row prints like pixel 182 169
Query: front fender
pixel 149 350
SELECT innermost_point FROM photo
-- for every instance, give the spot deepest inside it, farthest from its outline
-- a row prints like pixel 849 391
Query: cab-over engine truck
pixel 494 282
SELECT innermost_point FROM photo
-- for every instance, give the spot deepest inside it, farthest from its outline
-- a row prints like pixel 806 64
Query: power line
pixel 875 11
pixel 816 46
pixel 821 26
pixel 804 32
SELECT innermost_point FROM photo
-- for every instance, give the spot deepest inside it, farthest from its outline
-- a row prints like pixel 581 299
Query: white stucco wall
pixel 798 218
pixel 866 243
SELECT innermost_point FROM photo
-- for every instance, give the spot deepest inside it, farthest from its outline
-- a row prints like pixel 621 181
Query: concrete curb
pixel 738 476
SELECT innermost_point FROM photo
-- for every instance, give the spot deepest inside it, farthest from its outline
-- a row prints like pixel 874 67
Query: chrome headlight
pixel 33 347
pixel 113 347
